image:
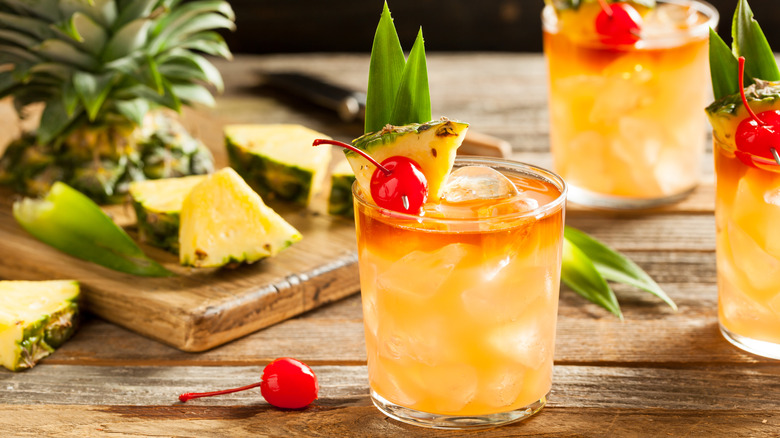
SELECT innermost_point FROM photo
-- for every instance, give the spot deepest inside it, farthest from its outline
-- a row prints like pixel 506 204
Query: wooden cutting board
pixel 199 308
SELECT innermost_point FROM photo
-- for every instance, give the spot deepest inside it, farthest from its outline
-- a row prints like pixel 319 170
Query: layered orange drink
pixel 626 128
pixel 747 214
pixel 460 300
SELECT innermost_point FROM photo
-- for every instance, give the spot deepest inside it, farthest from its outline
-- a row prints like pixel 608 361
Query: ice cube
pixel 761 270
pixel 509 294
pixel 450 387
pixel 772 196
pixel 528 341
pixel 670 18
pixel 420 274
pixel 472 183
pixel 503 386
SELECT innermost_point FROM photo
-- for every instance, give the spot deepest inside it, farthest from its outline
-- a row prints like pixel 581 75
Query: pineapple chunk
pixel 223 221
pixel 157 205
pixel 279 160
pixel 35 318
pixel 432 145
pixel 340 198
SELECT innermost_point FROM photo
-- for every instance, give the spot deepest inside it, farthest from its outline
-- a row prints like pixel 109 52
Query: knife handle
pixel 477 143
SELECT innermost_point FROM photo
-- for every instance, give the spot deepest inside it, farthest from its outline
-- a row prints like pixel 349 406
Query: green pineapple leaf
pixel 93 90
pixel 31 26
pixel 132 11
pixel 134 109
pixel 193 93
pixel 413 101
pixel 580 274
pixel 17 38
pixel 723 67
pixel 60 51
pixel 70 222
pixel 129 38
pixel 54 121
pixel 210 73
pixel 210 43
pixel 749 41
pixel 90 36
pixel 384 73
pixel 614 266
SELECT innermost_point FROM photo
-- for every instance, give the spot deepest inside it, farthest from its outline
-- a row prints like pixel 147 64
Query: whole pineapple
pixel 105 70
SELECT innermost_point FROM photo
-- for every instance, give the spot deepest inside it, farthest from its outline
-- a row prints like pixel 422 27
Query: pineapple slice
pixel 223 221
pixel 432 145
pixel 340 197
pixel 278 160
pixel 157 205
pixel 726 113
pixel 35 318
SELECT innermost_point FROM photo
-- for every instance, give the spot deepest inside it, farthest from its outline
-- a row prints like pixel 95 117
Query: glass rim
pixel 531 170
pixel 701 30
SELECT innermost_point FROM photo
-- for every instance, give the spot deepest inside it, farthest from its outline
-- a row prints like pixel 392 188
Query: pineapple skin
pixel 158 225
pixel 432 145
pixel 102 161
pixel 39 338
pixel 270 178
pixel 340 202
pixel 157 228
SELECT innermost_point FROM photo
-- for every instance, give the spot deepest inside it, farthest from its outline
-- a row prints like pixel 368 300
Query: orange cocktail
pixel 748 252
pixel 626 126
pixel 460 304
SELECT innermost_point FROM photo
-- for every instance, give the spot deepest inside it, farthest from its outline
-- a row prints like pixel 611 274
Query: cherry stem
pixel 191 395
pixel 363 154
pixel 605 7
pixel 742 91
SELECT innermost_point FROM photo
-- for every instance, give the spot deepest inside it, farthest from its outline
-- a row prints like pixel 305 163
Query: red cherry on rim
pixel 757 136
pixel 618 23
pixel 397 184
pixel 404 189
pixel 286 383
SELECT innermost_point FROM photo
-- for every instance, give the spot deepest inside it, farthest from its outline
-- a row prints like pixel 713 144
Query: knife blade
pixel 350 105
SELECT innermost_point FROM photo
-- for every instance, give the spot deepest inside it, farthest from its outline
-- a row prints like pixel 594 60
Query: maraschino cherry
pixel 397 184
pixel 286 383
pixel 758 135
pixel 618 23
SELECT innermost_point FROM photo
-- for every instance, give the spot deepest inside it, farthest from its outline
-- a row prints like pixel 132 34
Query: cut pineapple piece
pixel 223 221
pixel 35 318
pixel 340 198
pixel 726 113
pixel 432 145
pixel 157 205
pixel 279 160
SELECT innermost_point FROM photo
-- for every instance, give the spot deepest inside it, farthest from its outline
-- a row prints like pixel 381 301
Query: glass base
pixel 760 348
pixel 608 202
pixel 455 422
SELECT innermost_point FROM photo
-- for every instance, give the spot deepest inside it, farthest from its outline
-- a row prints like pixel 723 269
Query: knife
pixel 350 105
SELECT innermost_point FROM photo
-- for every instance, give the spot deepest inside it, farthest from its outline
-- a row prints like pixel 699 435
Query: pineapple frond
pixel 94 60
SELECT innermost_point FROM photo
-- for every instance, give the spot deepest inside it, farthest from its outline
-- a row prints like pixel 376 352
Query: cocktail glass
pixel 626 126
pixel 747 214
pixel 460 304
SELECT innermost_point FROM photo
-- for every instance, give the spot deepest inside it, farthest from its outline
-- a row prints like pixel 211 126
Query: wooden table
pixel 658 373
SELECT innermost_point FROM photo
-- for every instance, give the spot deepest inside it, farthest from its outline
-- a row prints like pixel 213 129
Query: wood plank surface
pixel 658 373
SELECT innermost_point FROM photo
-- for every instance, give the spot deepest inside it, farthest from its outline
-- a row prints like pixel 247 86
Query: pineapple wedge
pixel 223 221
pixel 157 205
pixel 432 145
pixel 35 318
pixel 340 197
pixel 278 160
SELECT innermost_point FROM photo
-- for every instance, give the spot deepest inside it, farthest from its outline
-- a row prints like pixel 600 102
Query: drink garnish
pixel 757 136
pixel 618 23
pixel 397 184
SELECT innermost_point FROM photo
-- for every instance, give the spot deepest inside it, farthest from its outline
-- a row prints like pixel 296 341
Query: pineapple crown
pixel 93 61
